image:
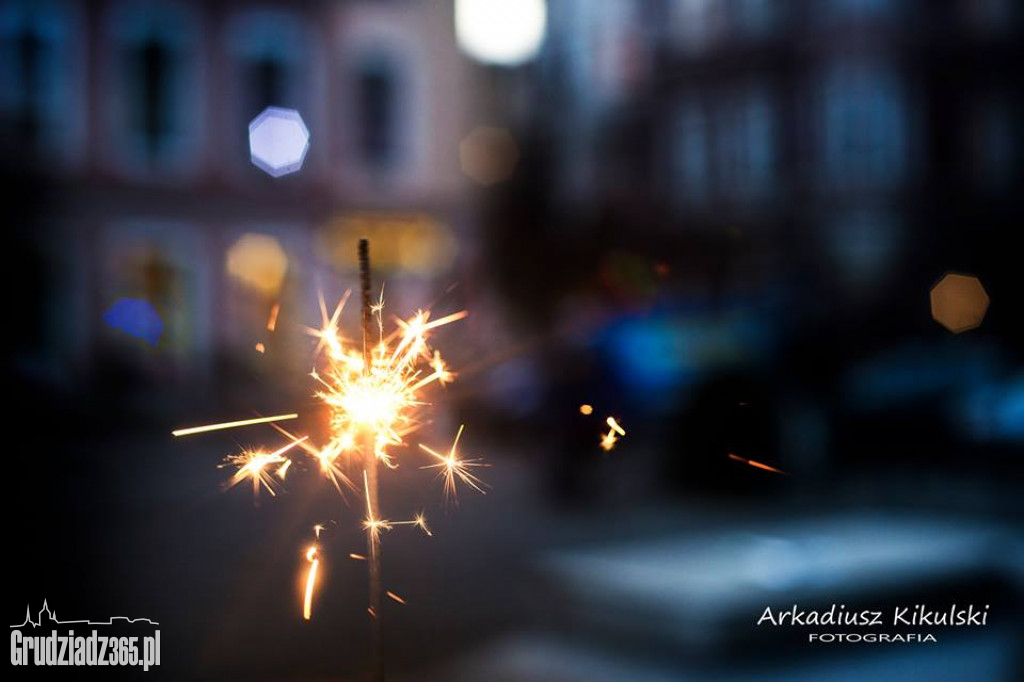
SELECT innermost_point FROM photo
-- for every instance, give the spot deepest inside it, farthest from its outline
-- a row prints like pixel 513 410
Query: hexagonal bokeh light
pixel 278 141
pixel 959 302
pixel 488 155
pixel 501 32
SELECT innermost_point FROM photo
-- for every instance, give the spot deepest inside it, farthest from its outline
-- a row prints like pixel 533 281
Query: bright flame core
pixel 381 399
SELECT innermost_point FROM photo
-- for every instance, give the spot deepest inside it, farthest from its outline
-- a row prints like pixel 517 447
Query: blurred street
pixel 509 588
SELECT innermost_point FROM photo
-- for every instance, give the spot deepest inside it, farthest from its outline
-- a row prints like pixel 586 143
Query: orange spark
pixel 272 320
pixel 758 465
pixel 395 597
pixel 609 439
pixel 586 410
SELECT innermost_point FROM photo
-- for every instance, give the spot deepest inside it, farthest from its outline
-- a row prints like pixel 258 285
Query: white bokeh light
pixel 278 141
pixel 502 32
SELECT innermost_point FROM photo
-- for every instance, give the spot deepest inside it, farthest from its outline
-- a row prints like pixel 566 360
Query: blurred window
pixel 846 10
pixel 266 82
pixel 993 144
pixel 152 63
pixel 756 17
pixel 270 65
pixel 747 145
pixel 376 94
pixel 690 153
pixel 989 16
pixel 270 48
pixel 865 128
pixel 157 112
pixel 864 244
pixel 696 23
pixel 699 24
pixel 38 42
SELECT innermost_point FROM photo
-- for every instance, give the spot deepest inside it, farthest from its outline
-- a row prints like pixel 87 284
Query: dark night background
pixel 782 230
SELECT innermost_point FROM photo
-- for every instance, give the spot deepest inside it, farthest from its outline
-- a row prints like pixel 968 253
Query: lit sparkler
pixel 374 393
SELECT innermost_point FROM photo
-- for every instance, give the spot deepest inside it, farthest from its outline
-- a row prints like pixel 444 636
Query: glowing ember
pixel 757 465
pixel 609 439
pixel 312 556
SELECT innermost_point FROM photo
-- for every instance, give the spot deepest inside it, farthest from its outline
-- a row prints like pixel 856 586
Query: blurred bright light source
pixel 278 141
pixel 488 155
pixel 259 262
pixel 412 243
pixel 502 32
pixel 959 302
pixel 137 318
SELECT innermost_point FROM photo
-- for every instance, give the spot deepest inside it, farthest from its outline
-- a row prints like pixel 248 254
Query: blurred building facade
pixel 756 197
pixel 126 124
pixel 848 127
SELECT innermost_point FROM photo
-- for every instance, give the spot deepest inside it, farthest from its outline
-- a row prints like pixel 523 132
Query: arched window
pixel 156 116
pixel 41 71
pixel 271 64
pixel 376 97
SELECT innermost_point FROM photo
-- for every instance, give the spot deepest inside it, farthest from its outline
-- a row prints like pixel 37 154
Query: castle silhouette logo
pixel 51 618
pixel 58 645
